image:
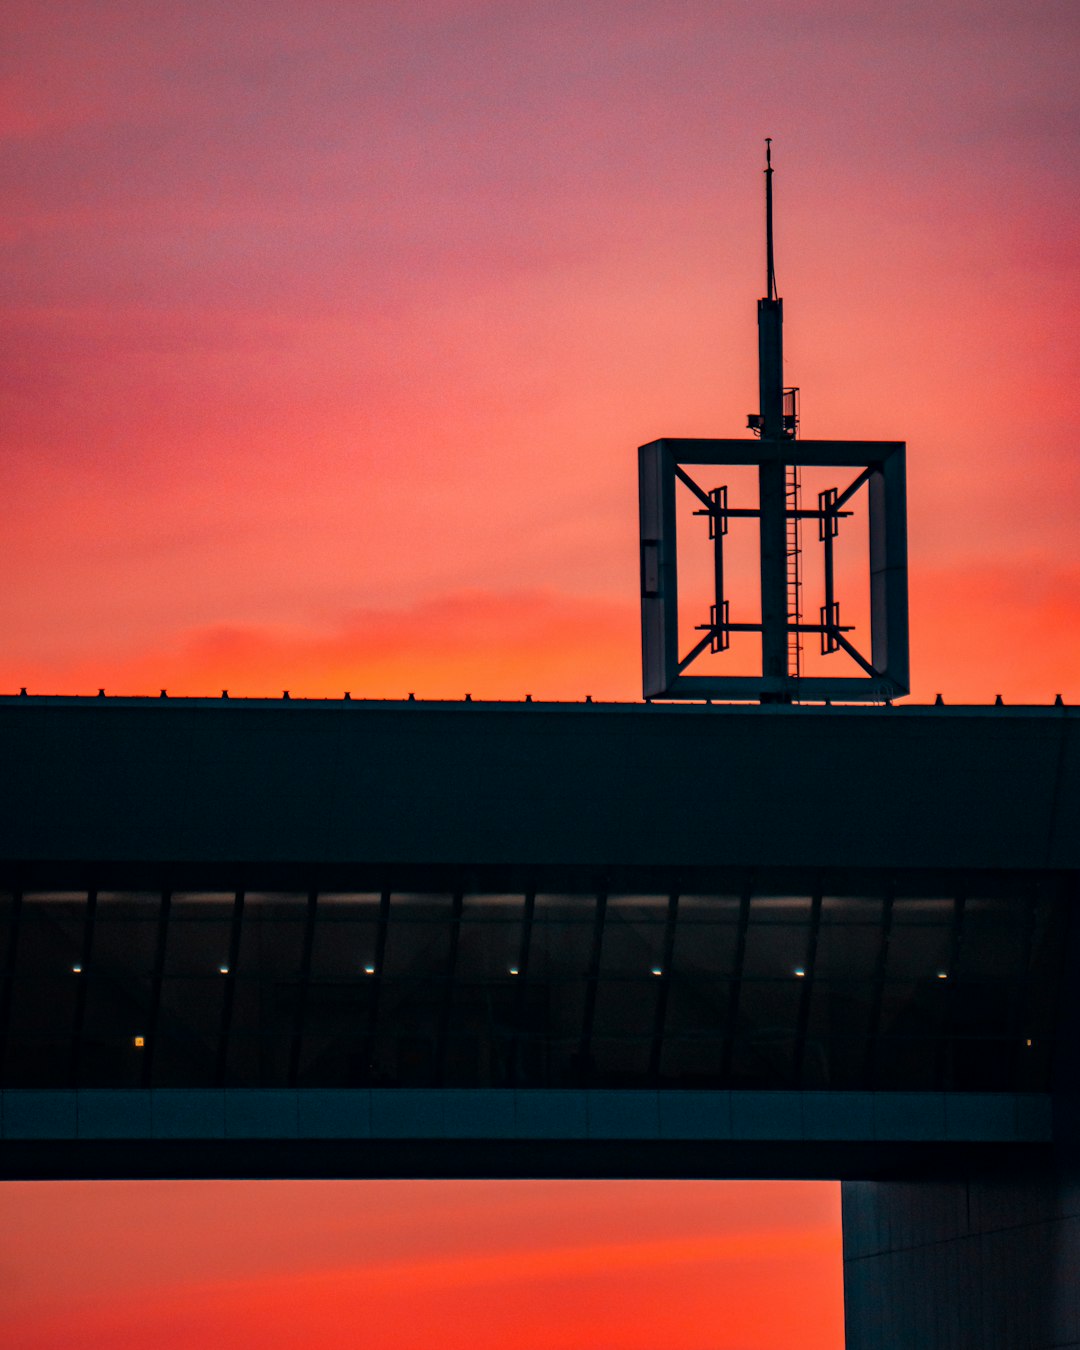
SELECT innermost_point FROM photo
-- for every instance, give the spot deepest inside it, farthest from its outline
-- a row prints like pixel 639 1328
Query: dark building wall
pixel 590 799
pixel 485 785
pixel 969 1263
pixel 799 877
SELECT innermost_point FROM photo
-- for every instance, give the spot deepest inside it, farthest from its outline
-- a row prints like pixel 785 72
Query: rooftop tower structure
pixel 780 516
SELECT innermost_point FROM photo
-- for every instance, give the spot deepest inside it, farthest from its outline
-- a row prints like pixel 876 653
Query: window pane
pixel 913 1009
pixel 271 935
pixel 51 929
pixel 185 1053
pixel 562 937
pixel 620 1062
pixel 780 909
pixel 262 1023
pixel 722 909
pixel 126 926
pixel 696 1006
pixel 334 1051
pixel 489 937
pixel 39 1043
pixel 764 1051
pixel 634 927
pixel 200 927
pixel 705 950
pixel 995 939
pixel 7 919
pixel 560 952
pixel 836 1035
pixel 625 1007
pixel 693 1062
pixel 847 951
pixel 773 949
pixel 852 909
pixel 418 936
pixel 344 941
pixel 116 1015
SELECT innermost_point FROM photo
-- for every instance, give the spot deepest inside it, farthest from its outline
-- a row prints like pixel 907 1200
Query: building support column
pixel 975 1264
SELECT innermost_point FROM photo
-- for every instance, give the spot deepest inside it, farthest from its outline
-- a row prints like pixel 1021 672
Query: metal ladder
pixel 792 502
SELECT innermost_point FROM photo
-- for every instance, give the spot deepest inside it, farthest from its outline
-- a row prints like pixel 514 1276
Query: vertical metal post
pixel 377 979
pixel 806 993
pixel 770 270
pixel 229 995
pixel 718 524
pixel 447 1008
pixel 828 527
pixel 887 503
pixel 772 497
pixel 666 957
pixel 155 989
pixel 521 993
pixel 7 989
pixel 659 569
pixel 584 1055
pixel 774 649
pixel 946 1056
pixel 302 989
pixel 877 997
pixel 735 988
pixel 80 993
pixel 1021 992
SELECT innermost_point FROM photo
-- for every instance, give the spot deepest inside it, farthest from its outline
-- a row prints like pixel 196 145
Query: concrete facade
pixel 965 1263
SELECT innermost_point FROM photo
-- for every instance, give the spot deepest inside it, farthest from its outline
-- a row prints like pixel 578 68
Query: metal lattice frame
pixel 881 466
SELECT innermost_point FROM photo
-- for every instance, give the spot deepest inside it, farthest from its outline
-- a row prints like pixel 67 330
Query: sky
pixel 399 1265
pixel 329 333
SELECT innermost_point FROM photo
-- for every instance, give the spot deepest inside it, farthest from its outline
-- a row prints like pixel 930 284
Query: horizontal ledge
pixel 827 454
pixel 843 687
pixel 401 1114
pixel 499 1159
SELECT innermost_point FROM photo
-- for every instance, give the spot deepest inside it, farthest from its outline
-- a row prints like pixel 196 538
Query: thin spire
pixel 770 269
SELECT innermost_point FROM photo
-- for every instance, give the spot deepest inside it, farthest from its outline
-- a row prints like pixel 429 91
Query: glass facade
pixel 887 982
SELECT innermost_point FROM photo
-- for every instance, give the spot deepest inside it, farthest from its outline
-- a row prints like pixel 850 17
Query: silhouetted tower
pixel 778 483
pixel 671 464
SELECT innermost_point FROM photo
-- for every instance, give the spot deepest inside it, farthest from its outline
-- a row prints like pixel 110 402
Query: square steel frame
pixel 883 463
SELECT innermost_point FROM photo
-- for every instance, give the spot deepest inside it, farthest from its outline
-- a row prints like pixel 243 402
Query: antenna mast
pixel 778 483
pixel 770 269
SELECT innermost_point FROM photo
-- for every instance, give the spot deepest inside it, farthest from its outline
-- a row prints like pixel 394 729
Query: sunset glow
pixel 469 1266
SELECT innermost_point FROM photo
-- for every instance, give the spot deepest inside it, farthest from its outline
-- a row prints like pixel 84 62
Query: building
pixel 293 938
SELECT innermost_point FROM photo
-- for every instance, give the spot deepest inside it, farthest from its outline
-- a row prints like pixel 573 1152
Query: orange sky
pixel 329 334
pixel 397 1265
